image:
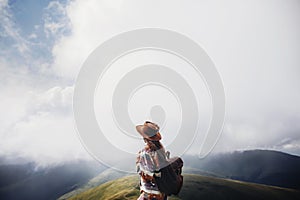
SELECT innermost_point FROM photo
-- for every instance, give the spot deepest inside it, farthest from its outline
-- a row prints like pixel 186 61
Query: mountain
pixel 258 166
pixel 194 187
pixel 27 181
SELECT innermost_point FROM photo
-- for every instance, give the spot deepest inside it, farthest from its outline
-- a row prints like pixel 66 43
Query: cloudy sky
pixel 43 44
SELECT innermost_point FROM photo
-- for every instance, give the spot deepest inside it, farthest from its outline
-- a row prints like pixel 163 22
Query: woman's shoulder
pixel 143 151
pixel 151 151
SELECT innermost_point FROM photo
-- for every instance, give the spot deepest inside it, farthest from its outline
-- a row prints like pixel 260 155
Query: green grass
pixel 194 187
pixel 201 187
pixel 123 188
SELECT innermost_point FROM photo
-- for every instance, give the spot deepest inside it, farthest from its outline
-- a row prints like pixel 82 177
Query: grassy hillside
pixel 123 188
pixel 195 187
pixel 111 174
pixel 103 177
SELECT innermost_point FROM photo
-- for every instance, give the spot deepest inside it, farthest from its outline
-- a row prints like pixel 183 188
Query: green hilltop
pixel 194 187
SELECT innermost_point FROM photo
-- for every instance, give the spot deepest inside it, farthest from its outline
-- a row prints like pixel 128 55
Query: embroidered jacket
pixel 148 164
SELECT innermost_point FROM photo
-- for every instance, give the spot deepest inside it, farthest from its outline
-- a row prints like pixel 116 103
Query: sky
pixel 43 44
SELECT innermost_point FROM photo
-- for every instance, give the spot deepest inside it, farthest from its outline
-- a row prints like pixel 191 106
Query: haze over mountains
pixel 25 181
pixel 258 166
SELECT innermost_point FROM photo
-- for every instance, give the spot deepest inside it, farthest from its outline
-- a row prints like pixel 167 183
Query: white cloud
pixel 55 99
pixel 32 36
pixel 256 54
pixel 45 138
pixel 254 46
pixel 9 29
pixel 277 133
pixel 36 121
pixel 56 23
pixel 92 22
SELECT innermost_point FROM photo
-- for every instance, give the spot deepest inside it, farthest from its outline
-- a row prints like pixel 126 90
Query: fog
pixel 254 45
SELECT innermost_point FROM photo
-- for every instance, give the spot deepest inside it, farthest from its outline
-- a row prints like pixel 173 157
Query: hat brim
pixel 140 130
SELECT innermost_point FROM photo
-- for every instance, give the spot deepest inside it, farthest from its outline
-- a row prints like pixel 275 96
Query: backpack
pixel 170 181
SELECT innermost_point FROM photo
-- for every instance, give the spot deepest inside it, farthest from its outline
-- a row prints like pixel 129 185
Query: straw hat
pixel 149 131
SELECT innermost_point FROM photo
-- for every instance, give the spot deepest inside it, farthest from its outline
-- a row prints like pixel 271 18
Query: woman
pixel 149 161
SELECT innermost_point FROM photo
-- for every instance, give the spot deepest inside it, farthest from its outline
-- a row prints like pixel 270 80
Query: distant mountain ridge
pixel 26 181
pixel 258 166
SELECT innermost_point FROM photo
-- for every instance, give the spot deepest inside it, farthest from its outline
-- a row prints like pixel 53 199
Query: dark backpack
pixel 170 181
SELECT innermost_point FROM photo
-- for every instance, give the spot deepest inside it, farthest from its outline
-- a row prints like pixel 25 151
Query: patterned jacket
pixel 148 164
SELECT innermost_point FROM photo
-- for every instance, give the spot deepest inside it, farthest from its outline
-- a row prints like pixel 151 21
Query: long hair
pixel 153 145
pixel 160 154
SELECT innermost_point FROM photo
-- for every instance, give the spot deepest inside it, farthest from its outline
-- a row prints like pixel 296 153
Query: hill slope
pixel 111 174
pixel 194 187
pixel 103 177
